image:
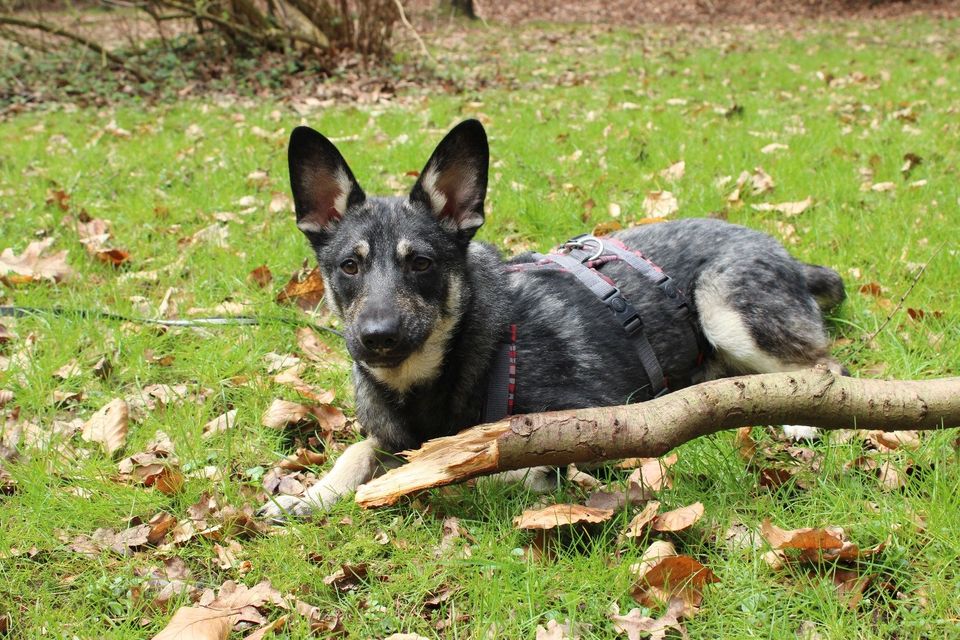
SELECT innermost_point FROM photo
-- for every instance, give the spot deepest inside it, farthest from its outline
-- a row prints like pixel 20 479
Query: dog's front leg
pixel 359 463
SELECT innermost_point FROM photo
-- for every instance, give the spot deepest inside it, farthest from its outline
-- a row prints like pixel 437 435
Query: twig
pixel 69 35
pixel 903 298
pixel 413 32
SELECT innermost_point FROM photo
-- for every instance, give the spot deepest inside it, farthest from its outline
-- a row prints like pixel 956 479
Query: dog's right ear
pixel 323 185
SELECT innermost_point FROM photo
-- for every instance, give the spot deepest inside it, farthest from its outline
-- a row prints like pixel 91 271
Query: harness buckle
pixel 581 242
pixel 624 312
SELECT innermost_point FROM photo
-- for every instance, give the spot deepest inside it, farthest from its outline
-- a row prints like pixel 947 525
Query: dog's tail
pixel 825 285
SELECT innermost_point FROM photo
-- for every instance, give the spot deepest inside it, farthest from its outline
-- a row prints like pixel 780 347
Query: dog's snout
pixel 380 334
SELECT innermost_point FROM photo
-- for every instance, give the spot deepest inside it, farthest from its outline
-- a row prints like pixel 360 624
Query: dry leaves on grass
pixel 282 414
pixel 291 378
pixel 261 276
pixel 214 616
pixel 316 350
pixel 304 290
pixel 33 266
pixel 125 542
pixel 756 183
pixel 813 545
pixel 559 515
pixel 678 519
pixel 660 204
pixel 636 527
pixel 663 575
pixel 349 577
pixel 652 472
pixel 636 625
pixel 156 466
pixel 220 424
pixel 94 234
pixel 786 208
pixel 674 172
pixel 108 426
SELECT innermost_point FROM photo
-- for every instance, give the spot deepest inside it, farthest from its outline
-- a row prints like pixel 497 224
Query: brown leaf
pixel 108 426
pixel 197 623
pixel 660 204
pixel 262 632
pixel 560 514
pixel 806 540
pixel 291 378
pixel 642 519
pixel 892 440
pixel 6 397
pixel 302 459
pixel 678 519
pixel 156 466
pixel 314 349
pixel 786 208
pixel 220 424
pixel 652 473
pixel 31 265
pixel 635 623
pixel 282 413
pixel 614 500
pixel 305 290
pixel 347 578
pixel 94 236
pixel 872 288
pixel 261 276
pixel 606 228
pixel 674 172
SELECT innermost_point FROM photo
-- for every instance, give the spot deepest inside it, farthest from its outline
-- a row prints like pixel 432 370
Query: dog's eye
pixel 350 267
pixel 421 263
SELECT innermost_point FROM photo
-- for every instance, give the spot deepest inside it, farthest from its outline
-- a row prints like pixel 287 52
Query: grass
pixel 579 119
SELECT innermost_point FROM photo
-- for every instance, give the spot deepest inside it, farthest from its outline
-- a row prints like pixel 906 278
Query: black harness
pixel 581 256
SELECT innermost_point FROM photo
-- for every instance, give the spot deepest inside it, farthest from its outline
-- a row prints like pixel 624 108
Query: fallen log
pixel 814 397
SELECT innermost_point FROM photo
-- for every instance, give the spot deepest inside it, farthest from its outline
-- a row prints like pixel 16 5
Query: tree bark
pixel 813 397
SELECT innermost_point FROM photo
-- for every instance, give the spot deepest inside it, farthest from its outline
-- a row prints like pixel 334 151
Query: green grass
pixel 595 93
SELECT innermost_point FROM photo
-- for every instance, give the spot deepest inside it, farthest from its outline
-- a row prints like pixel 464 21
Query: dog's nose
pixel 380 335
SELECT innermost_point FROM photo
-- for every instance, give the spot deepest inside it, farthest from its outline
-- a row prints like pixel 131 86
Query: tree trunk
pixel 815 397
pixel 464 8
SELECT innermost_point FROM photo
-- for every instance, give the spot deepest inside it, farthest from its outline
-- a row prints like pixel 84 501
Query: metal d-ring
pixel 582 242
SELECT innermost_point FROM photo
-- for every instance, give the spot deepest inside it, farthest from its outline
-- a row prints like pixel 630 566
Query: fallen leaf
pixel 156 466
pixel 635 624
pixel 883 186
pixel 220 424
pixel 108 426
pixel 660 204
pixel 302 459
pixel 786 208
pixel 6 396
pixel 32 265
pixel 197 623
pixel 348 577
pixel 279 203
pixel 261 276
pixel 678 519
pixel 674 172
pixel 581 479
pixel 652 473
pixel 305 290
pixel 291 378
pixel 560 514
pixel 606 228
pixel 636 526
pixel 773 147
pixel 95 236
pixel 893 440
pixel 316 350
pixel 663 575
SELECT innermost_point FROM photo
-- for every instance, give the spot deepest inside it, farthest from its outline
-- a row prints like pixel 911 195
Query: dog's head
pixel 394 267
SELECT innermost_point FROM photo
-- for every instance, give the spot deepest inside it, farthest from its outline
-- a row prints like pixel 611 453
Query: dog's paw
pixel 798 432
pixel 283 508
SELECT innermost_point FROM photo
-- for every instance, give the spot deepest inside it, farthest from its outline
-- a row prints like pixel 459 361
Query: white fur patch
pixel 404 248
pixel 362 249
pixel 730 336
pixel 429 181
pixel 423 365
pixel 343 181
pixel 310 226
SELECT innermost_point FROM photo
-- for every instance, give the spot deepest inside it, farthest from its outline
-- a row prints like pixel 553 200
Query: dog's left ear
pixel 453 184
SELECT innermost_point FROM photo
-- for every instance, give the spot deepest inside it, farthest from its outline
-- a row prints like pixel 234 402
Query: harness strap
pixel 622 310
pixel 502 381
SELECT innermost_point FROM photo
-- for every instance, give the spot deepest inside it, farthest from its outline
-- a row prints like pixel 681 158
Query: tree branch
pixel 812 397
pixel 69 35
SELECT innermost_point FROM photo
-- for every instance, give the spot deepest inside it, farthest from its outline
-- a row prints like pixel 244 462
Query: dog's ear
pixel 323 185
pixel 453 184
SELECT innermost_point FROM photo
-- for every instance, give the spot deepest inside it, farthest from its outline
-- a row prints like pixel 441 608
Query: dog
pixel 427 310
